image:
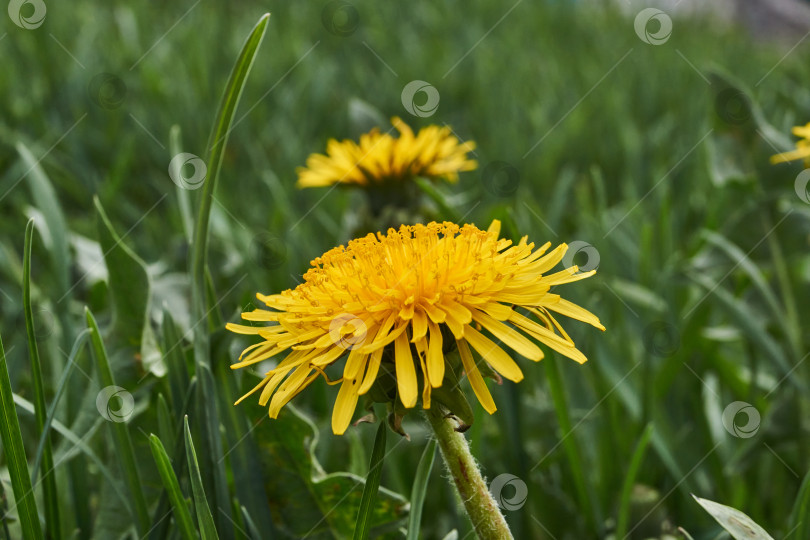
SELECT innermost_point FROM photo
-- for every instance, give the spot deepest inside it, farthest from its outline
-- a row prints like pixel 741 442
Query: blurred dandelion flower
pixel 379 158
pixel 802 147
pixel 396 292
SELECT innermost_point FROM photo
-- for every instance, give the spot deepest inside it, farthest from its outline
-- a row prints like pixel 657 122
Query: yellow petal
pixel 509 336
pixel 569 309
pixel 345 404
pixel 435 356
pixel 420 325
pixel 494 355
pixel 406 371
pixel 476 380
pixel 371 371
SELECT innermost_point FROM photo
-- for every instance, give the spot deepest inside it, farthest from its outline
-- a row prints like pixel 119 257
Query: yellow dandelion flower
pixel 395 293
pixel 379 158
pixel 802 147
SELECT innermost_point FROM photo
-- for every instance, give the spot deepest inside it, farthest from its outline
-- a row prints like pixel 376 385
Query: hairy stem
pixel 486 517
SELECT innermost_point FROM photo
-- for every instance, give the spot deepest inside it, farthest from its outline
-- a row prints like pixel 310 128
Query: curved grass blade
pixel 164 419
pixel 372 483
pixel 49 492
pixel 630 479
pixel 798 524
pixel 81 339
pixel 160 527
pixel 123 442
pixel 216 144
pixel 182 516
pixel 215 476
pixel 249 524
pixel 419 489
pixel 15 456
pixel 46 200
pixel 204 518
pixel 82 447
pixel 561 408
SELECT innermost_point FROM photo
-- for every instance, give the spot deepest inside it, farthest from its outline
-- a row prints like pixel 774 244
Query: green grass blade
pixel 798 524
pixel 79 444
pixel 217 142
pixel 47 202
pixel 623 517
pixel 160 527
pixel 420 484
pixel 207 401
pixel 164 419
pixel 15 456
pixel 78 345
pixel 182 516
pixel 50 494
pixel 123 443
pixel 372 483
pixel 176 368
pixel 249 524
pixel 569 442
pixel 204 518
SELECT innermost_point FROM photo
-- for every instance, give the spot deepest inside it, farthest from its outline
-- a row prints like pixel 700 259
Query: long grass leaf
pixel 561 408
pixel 50 494
pixel 204 518
pixel 630 479
pixel 79 444
pixel 419 490
pixel 123 442
pixel 361 526
pixel 207 401
pixel 78 345
pixel 798 523
pixel 182 516
pixel 15 456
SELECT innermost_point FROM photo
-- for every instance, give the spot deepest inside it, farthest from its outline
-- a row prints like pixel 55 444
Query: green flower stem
pixel 486 518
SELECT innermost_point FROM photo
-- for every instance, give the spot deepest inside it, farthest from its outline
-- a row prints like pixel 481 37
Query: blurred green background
pixel 654 155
